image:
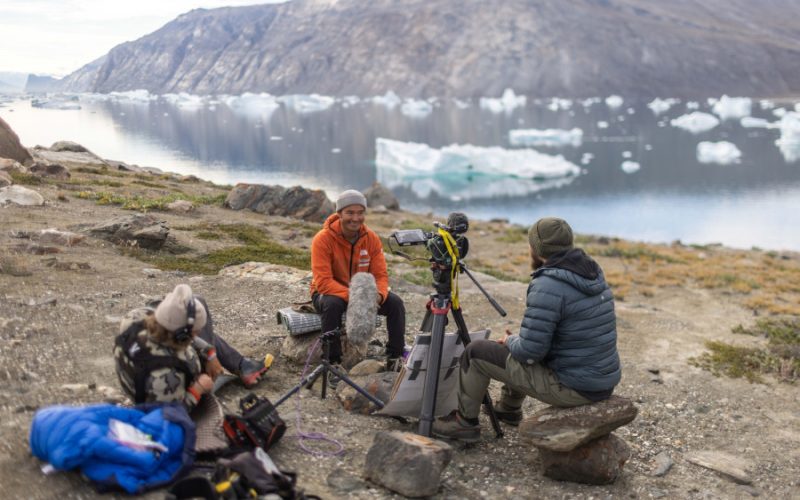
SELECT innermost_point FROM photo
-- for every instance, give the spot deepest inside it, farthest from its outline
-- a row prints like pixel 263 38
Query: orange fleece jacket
pixel 334 260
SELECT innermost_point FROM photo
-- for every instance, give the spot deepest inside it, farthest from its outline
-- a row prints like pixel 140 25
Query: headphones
pixel 184 333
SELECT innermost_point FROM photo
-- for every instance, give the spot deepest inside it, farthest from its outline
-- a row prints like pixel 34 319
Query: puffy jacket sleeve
pixel 322 256
pixel 377 266
pixel 542 314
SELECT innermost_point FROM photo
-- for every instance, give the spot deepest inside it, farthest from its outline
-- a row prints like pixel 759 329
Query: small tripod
pixel 434 322
pixel 322 370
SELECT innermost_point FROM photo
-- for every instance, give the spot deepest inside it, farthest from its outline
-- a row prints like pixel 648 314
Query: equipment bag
pixel 259 425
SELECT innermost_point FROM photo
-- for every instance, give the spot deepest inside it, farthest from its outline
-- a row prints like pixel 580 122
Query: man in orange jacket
pixel 346 246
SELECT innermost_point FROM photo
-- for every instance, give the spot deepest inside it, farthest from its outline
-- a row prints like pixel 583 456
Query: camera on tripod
pixel 447 245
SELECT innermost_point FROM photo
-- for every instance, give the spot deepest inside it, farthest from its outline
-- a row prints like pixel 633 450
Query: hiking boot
pixel 454 426
pixel 394 364
pixel 251 371
pixel 507 416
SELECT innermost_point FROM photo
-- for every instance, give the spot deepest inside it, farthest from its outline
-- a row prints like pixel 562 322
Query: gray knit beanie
pixel 550 235
pixel 350 197
pixel 171 312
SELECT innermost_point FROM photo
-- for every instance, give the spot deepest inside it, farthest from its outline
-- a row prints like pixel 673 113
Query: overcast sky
pixel 59 36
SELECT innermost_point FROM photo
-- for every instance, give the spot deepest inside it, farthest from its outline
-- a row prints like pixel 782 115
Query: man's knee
pixel 331 304
pixel 485 350
pixel 393 305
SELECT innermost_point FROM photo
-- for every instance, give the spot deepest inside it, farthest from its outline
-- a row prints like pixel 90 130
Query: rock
pixel 295 348
pixel 36 249
pixel 367 367
pixel 597 462
pixel 661 464
pixel 142 230
pixel 731 467
pixel 378 385
pixel 53 170
pixel 378 195
pixel 121 165
pixel 380 209
pixel 72 147
pixel 564 429
pixel 341 480
pixel 151 272
pixel 5 179
pixel 10 147
pixel 9 165
pixel 21 196
pixel 407 463
pixel 56 237
pixel 297 202
pixel 180 206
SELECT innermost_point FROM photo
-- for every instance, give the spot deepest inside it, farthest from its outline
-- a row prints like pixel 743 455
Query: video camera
pixel 437 242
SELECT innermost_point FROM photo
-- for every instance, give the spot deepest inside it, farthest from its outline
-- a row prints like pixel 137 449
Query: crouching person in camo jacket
pixel 171 353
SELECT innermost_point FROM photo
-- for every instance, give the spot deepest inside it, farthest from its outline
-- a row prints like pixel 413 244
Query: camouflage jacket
pixel 168 377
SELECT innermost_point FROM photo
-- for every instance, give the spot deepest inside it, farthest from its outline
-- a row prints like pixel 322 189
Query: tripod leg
pixel 431 387
pixel 343 376
pixel 308 379
pixel 427 322
pixel 463 333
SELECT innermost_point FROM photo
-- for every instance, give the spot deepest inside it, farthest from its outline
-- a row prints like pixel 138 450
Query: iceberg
pixel 310 103
pixel 586 158
pixel 505 104
pixel 692 105
pixel 695 122
pixel 659 106
pixel 602 124
pixel 416 109
pixel 789 141
pixel 467 171
pixel 62 103
pixel 548 137
pixel 732 108
pixel 614 101
pixel 751 122
pixel 722 152
pixel 461 103
pixel 630 167
pixel 184 100
pixel 261 105
pixel 558 104
pixel 390 100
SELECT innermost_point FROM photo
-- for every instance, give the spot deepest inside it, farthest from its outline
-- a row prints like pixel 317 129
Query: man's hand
pixel 204 384
pixel 502 340
pixel 213 368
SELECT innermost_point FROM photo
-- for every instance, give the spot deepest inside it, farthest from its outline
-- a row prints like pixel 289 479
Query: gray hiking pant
pixel 486 360
pixel 228 357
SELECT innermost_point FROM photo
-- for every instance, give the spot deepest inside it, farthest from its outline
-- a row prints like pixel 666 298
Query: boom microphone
pixel 362 309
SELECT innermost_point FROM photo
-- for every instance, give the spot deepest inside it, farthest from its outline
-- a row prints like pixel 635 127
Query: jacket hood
pixel 575 268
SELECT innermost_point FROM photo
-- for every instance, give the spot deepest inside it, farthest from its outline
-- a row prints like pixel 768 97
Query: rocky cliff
pixel 576 48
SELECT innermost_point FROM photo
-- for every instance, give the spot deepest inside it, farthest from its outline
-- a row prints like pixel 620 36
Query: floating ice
pixel 184 100
pixel 586 103
pixel 416 109
pixel 659 106
pixel 390 100
pixel 547 137
pixel 310 103
pixel 557 104
pixel 766 104
pixel 732 108
pixel 722 152
pixel 789 142
pixel 630 167
pixel 696 122
pixel 614 101
pixel 779 112
pixel 692 105
pixel 586 158
pixel 350 100
pixel 750 122
pixel 468 171
pixel 507 103
pixel 627 154
pixel 140 95
pixel 602 124
pixel 56 103
pixel 260 106
pixel 461 104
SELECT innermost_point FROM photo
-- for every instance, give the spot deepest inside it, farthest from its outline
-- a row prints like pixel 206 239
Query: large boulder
pixel 596 462
pixel 9 165
pixel 5 179
pixel 20 195
pixel 377 195
pixel 10 146
pixel 70 146
pixel 407 463
pixel 298 202
pixel 142 230
pixel 296 348
pixel 564 429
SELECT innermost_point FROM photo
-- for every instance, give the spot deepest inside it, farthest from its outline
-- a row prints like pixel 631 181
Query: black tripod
pixel 322 370
pixel 434 322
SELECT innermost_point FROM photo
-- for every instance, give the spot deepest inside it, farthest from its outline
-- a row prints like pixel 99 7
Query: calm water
pixel 672 196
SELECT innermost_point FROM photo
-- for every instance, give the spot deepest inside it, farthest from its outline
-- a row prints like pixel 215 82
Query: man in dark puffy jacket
pixel 566 351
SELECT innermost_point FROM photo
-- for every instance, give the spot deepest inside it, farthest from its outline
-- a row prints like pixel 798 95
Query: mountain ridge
pixel 470 48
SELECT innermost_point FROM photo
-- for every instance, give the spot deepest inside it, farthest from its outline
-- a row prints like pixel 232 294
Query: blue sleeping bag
pixel 78 437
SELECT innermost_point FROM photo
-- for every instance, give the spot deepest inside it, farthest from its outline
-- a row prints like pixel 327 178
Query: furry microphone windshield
pixel 362 308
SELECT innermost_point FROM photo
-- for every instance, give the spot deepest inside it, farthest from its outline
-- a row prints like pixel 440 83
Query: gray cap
pixel 350 197
pixel 550 235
